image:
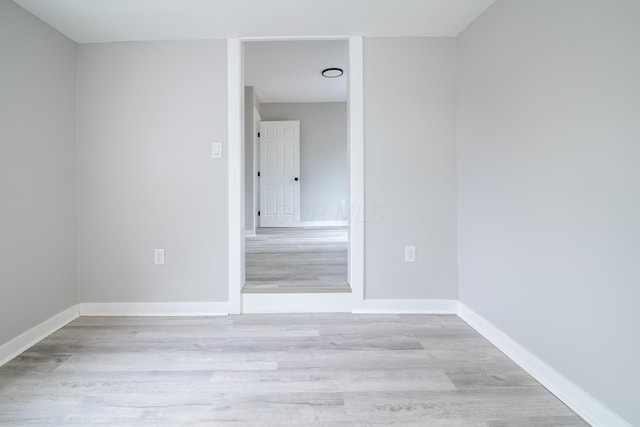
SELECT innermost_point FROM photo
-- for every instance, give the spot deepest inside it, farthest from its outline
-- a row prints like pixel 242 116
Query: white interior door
pixel 280 174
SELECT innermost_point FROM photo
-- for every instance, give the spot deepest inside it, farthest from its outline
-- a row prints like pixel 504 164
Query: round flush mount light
pixel 332 73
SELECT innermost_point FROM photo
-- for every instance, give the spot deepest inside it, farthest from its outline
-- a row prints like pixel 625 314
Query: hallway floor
pixel 297 260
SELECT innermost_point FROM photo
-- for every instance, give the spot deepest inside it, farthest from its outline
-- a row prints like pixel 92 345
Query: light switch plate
pixel 409 254
pixel 216 150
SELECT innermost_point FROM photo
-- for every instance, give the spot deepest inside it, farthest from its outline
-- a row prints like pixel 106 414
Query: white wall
pixel 38 275
pixel 147 115
pixel 324 170
pixel 549 186
pixel 410 167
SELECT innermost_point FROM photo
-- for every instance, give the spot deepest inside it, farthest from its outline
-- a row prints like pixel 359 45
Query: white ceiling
pixel 291 71
pixel 87 21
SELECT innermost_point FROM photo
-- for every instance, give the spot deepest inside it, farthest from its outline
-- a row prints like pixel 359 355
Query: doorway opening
pixel 318 245
pixel 296 167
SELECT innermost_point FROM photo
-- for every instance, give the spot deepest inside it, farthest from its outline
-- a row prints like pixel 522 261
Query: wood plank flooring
pixel 296 260
pixel 273 370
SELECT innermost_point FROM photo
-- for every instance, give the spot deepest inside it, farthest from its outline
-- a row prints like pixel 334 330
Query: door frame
pixel 235 175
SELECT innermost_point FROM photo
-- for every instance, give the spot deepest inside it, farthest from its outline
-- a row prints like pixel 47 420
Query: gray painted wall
pixel 549 186
pixel 410 167
pixel 147 115
pixel 324 170
pixel 38 263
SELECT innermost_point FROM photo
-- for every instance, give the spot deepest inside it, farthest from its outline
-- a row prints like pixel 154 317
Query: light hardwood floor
pixel 273 370
pixel 296 260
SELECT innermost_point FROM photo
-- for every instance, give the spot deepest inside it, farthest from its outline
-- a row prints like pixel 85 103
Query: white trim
pixel 28 339
pixel 235 99
pixel 407 306
pixel 581 402
pixel 296 303
pixel 249 233
pixel 154 309
pixel 324 223
pixel 356 171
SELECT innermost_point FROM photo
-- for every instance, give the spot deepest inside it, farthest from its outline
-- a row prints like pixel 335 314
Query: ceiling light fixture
pixel 332 73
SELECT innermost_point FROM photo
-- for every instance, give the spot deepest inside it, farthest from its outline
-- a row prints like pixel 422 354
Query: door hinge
pixel 258 213
pixel 258 173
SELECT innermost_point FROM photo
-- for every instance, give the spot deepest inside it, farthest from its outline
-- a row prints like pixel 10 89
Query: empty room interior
pixel 340 213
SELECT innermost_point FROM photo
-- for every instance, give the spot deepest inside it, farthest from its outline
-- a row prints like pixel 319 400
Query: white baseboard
pixel 581 402
pixel 406 306
pixel 36 334
pixel 324 223
pixel 296 303
pixel 154 309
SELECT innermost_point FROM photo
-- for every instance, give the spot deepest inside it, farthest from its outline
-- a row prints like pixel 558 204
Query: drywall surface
pixel 147 115
pixel 549 186
pixel 410 167
pixel 38 263
pixel 324 171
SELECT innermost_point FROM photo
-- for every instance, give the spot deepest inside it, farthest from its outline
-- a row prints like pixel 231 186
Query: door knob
pixel 296 178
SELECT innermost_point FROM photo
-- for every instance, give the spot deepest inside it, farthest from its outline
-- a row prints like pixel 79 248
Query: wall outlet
pixel 158 256
pixel 409 254
pixel 343 203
